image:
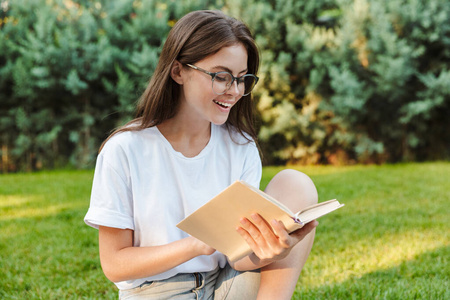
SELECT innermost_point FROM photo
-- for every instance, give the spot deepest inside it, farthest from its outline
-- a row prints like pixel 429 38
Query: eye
pixel 222 77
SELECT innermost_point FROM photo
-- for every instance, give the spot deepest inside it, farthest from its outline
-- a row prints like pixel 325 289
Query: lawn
pixel 390 241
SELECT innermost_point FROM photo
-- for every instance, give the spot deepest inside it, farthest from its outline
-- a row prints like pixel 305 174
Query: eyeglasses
pixel 222 81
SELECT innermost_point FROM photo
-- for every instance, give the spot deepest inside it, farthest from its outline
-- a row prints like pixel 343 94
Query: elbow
pixel 111 274
pixel 112 277
pixel 113 271
pixel 114 258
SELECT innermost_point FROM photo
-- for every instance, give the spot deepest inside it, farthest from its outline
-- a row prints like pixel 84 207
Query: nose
pixel 234 89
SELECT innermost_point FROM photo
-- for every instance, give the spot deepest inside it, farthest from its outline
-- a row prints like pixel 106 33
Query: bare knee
pixel 293 188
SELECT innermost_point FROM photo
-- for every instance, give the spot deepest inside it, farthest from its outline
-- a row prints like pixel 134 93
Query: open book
pixel 215 222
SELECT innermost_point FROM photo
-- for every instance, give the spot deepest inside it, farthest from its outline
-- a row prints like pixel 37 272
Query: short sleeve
pixel 111 202
pixel 252 170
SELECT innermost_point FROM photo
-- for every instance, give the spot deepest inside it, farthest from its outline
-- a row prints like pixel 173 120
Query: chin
pixel 219 122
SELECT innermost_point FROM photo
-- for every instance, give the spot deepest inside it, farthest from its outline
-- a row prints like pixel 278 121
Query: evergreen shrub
pixel 342 81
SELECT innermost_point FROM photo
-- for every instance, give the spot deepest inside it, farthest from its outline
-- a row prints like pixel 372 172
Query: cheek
pixel 198 94
pixel 198 85
pixel 200 90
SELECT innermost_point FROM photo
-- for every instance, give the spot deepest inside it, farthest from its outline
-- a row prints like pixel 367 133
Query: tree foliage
pixel 341 80
pixel 71 71
pixel 390 62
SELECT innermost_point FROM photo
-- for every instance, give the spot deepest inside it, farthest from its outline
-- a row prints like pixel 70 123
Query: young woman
pixel 192 137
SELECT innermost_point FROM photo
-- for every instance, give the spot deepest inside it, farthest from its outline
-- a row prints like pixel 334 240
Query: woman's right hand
pixel 271 243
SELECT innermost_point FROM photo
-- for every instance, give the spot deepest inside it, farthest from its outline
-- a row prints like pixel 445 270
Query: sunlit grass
pixel 46 251
pixel 14 207
pixel 378 246
pixel 390 241
pixel 370 255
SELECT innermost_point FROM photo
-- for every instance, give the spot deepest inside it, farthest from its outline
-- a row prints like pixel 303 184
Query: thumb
pixel 302 232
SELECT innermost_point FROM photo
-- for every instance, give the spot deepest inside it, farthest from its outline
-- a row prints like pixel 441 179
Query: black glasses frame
pixel 237 79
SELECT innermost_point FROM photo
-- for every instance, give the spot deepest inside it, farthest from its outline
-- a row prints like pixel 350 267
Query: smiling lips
pixel 223 104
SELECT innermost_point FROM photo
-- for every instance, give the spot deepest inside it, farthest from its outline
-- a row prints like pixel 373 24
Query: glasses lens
pixel 249 82
pixel 222 82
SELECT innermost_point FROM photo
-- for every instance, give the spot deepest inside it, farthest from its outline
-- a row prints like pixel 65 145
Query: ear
pixel 175 72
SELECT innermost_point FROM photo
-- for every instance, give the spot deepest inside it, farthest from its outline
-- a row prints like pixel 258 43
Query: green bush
pixel 73 71
pixel 341 81
pixel 366 86
pixel 387 82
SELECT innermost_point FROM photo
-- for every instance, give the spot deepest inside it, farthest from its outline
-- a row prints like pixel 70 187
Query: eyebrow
pixel 228 70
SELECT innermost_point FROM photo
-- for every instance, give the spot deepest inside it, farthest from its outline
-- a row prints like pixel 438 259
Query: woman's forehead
pixel 232 59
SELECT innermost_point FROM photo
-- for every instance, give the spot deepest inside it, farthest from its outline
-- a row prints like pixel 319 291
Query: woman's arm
pixel 121 261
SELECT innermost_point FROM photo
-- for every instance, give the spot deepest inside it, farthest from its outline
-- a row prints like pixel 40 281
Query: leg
pixel 296 190
pixel 232 284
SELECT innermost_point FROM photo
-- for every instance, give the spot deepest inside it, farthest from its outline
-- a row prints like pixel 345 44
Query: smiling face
pixel 198 100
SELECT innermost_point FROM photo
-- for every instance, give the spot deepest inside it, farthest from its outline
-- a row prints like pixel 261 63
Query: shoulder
pixel 127 142
pixel 240 143
pixel 130 137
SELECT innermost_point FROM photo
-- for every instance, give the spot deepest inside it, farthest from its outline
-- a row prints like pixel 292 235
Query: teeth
pixel 223 103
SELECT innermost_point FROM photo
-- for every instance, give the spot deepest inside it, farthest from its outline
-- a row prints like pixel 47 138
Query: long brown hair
pixel 193 38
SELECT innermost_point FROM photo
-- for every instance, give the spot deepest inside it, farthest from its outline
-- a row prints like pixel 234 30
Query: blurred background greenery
pixel 342 81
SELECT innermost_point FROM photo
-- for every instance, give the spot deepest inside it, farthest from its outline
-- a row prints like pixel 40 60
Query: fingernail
pixel 255 217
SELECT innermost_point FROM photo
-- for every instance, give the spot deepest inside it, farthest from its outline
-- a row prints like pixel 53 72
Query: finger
pixel 252 231
pixel 265 229
pixel 249 238
pixel 256 241
pixel 281 232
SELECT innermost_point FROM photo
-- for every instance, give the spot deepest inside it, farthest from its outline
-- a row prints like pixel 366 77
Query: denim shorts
pixel 222 283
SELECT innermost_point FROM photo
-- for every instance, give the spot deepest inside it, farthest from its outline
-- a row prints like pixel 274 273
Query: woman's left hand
pixel 271 242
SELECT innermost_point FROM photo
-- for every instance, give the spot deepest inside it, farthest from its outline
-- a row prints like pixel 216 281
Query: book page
pixel 317 211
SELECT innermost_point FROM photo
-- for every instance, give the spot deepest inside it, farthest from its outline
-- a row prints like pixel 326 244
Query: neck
pixel 187 129
pixel 189 138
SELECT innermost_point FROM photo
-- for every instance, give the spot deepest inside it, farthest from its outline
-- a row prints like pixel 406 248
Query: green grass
pixel 390 241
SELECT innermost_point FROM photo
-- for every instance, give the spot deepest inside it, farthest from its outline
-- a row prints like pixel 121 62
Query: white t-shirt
pixel 142 183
